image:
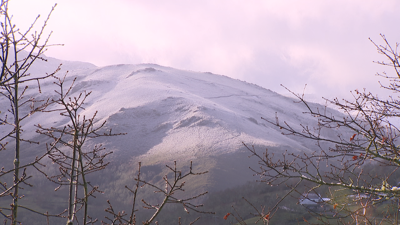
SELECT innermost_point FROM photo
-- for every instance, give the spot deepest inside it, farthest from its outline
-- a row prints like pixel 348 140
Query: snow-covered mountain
pixel 170 114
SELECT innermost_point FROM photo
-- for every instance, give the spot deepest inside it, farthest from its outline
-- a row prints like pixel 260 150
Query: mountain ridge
pixel 162 108
pixel 172 115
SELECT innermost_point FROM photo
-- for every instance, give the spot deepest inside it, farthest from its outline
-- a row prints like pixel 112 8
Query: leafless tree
pixel 367 141
pixel 19 51
pixel 68 147
pixel 70 151
pixel 169 193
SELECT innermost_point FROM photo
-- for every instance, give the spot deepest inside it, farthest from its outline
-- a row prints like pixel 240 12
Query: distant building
pixel 314 201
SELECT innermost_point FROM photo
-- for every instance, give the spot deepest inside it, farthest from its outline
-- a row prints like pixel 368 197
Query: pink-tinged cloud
pixel 320 43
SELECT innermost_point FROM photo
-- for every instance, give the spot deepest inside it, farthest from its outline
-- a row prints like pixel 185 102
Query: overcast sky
pixel 323 44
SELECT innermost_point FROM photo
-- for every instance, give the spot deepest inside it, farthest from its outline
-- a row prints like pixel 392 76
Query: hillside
pixel 171 115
